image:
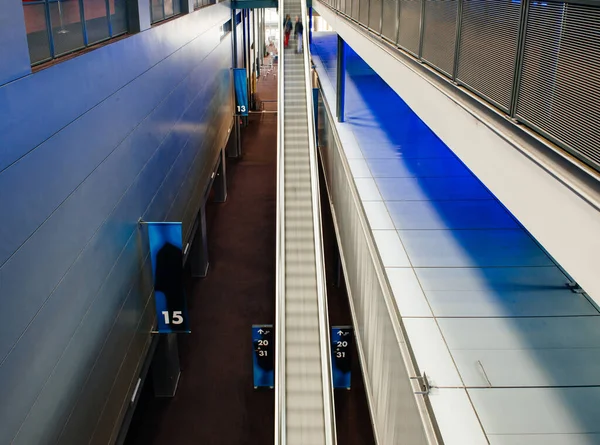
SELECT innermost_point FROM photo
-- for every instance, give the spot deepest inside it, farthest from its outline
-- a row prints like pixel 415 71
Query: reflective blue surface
pixel 89 146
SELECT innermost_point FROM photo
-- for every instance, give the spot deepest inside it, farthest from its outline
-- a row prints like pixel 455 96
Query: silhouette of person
pixel 169 280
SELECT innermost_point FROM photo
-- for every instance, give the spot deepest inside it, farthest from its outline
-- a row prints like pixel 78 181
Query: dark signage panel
pixel 263 355
pixel 341 356
pixel 167 270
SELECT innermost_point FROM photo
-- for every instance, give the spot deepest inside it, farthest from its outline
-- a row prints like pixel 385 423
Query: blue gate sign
pixel 263 355
pixel 241 91
pixel 341 356
pixel 167 272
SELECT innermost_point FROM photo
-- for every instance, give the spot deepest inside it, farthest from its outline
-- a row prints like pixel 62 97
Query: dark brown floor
pixel 216 402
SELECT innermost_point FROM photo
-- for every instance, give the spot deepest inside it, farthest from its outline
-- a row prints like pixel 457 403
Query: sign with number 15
pixel 167 270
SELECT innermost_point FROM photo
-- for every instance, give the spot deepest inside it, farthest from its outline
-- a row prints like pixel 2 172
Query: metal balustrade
pixel 536 61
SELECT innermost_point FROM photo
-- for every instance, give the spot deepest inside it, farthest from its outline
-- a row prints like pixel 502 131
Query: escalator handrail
pixel 328 401
pixel 280 402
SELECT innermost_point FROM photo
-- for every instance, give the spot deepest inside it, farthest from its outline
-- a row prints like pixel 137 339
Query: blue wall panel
pixel 136 138
pixel 14 52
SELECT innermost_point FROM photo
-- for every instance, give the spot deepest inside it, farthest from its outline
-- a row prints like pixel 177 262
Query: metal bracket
pixel 423 384
pixel 575 287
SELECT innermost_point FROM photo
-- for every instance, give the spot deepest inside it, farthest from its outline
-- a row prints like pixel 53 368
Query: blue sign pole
pixel 167 269
pixel 263 358
pixel 240 82
pixel 341 349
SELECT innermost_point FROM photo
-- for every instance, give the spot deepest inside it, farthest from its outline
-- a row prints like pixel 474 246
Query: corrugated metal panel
pixel 390 15
pixel 375 15
pixel 410 25
pixel 346 6
pixel 439 34
pixel 488 48
pixel 364 12
pixel 560 83
pixel 92 294
pixel 355 8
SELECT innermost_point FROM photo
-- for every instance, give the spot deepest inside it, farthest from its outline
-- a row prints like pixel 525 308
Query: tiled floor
pixel 509 349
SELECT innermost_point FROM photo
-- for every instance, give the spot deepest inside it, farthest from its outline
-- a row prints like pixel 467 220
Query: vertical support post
pixel 165 366
pixel 310 21
pixel 244 39
pixel 138 15
pixel 234 48
pixel 458 34
pixel 514 100
pixel 338 271
pixel 341 79
pixel 199 253
pixel 187 6
pixel 234 63
pixel 316 111
pixel 421 29
pixel 220 182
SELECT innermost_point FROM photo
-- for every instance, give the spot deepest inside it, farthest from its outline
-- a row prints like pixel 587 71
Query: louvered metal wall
pixel 560 84
pixel 439 34
pixel 488 48
pixel 537 61
pixel 390 16
pixel 375 15
pixel 410 25
pixel 363 12
pixel 355 9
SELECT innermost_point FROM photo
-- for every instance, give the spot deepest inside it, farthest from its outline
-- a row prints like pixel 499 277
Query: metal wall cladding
pixel 410 25
pixel 389 19
pixel 348 7
pixel 439 34
pixel 488 48
pixel 363 13
pixel 375 15
pixel 355 9
pixel 128 130
pixel 560 82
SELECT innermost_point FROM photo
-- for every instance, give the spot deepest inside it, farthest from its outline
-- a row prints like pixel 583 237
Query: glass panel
pixel 66 26
pixel 168 8
pixel 156 11
pixel 118 16
pixel 177 7
pixel 96 20
pixel 37 32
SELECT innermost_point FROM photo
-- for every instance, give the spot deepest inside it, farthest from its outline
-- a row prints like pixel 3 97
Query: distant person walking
pixel 298 30
pixel 287 26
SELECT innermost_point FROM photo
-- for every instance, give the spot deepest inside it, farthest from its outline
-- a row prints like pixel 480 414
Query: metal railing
pixel 389 368
pixel 536 62
pixel 280 259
